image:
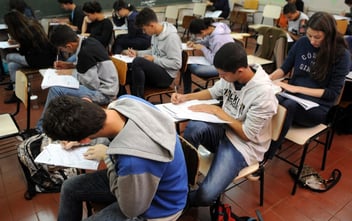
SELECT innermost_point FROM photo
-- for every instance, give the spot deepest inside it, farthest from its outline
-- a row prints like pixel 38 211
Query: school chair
pixel 150 92
pixel 250 172
pixel 9 126
pixel 308 138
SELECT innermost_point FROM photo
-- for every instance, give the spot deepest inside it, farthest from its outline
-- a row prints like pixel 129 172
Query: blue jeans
pixel 199 70
pixel 15 61
pixel 82 92
pixel 93 187
pixel 226 164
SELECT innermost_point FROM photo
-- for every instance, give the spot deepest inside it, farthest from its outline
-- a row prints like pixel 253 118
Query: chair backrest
pixel 199 9
pixel 192 159
pixel 250 4
pixel 171 12
pixel 271 12
pixel 121 68
pixel 342 26
pixel 277 122
pixel 21 87
pixel 272 44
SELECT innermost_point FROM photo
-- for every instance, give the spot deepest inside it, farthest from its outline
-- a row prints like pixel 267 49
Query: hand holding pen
pixel 131 52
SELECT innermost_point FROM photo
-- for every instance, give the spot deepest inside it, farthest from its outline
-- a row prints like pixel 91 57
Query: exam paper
pixel 181 112
pixel 306 104
pixel 55 154
pixel 51 78
pixel 198 60
pixel 124 58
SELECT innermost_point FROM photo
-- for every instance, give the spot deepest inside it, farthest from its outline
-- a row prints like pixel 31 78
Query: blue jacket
pixel 301 57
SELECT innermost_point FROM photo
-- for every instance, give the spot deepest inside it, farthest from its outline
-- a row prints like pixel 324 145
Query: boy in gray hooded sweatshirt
pixel 146 177
pixel 158 66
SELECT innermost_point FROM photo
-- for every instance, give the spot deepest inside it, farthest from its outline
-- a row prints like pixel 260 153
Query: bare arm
pixel 177 98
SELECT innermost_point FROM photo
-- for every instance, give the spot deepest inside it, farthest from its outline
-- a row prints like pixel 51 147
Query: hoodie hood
pixel 148 133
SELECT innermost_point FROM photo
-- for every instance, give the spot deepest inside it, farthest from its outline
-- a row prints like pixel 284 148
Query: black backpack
pixel 40 178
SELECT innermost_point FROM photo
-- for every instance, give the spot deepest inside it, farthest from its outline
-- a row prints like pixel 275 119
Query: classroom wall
pixel 51 8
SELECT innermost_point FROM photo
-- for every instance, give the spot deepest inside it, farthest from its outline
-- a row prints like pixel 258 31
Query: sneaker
pixel 12 99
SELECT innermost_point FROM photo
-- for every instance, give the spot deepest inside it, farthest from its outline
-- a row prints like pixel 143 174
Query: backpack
pixel 222 212
pixel 41 178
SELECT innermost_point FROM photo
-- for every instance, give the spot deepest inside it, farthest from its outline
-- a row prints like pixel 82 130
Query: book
pixel 306 104
pixel 55 154
pixel 51 78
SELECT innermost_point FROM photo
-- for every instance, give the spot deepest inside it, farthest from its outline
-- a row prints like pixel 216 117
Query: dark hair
pixel 72 118
pixel 332 47
pixel 29 33
pixel 61 35
pixel 20 6
pixel 119 4
pixel 289 8
pixel 230 57
pixel 65 1
pixel 145 17
pixel 92 7
pixel 348 2
pixel 198 24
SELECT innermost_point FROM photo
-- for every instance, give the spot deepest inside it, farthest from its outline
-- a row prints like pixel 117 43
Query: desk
pixel 252 59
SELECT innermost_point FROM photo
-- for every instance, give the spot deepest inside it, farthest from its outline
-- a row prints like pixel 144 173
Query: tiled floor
pixel 279 205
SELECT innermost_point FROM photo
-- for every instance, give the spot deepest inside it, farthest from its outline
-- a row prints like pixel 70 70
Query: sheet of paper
pixel 214 14
pixel 306 104
pixel 349 75
pixel 181 112
pixel 289 39
pixel 186 48
pixel 124 58
pixel 54 154
pixel 198 60
pixel 51 78
pixel 5 45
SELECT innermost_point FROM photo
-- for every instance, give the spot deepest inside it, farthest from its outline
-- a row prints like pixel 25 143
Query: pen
pixel 175 89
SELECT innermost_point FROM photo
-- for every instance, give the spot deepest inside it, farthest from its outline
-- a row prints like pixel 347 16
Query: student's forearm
pixel 234 124
pixel 201 95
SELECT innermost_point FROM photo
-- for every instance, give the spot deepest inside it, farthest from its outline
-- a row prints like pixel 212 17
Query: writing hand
pixel 177 98
pixel 130 52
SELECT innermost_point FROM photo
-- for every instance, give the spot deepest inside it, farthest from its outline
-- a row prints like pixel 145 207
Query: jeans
pixel 226 164
pixel 82 91
pixel 199 70
pixel 296 114
pixel 15 61
pixel 92 187
pixel 145 72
